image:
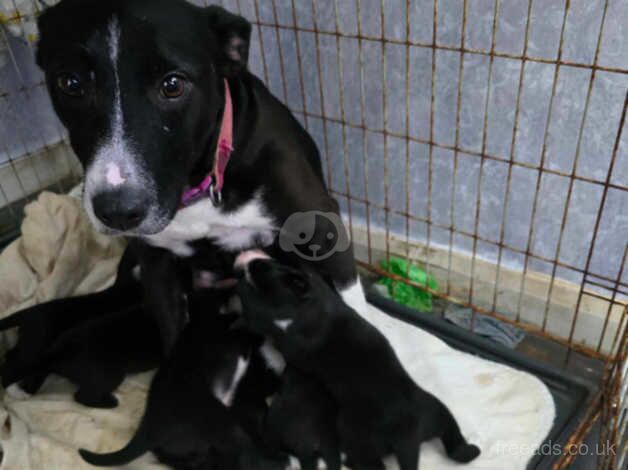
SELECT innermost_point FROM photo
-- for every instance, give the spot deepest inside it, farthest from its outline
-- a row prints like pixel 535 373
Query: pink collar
pixel 213 183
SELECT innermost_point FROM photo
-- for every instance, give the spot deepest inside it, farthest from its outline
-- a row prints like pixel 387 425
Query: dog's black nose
pixel 120 209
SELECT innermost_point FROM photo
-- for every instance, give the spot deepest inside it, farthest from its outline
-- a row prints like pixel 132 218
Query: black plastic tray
pixel 570 394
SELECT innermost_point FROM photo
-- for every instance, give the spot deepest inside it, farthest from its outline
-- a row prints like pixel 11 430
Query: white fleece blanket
pixel 506 412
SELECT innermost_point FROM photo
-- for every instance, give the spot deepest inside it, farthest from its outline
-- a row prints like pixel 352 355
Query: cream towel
pixel 506 412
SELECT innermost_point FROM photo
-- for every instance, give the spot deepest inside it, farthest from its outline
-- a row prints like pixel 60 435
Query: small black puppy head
pixel 139 84
pixel 276 297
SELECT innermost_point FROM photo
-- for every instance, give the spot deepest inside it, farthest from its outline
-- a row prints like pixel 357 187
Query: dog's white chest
pixel 245 227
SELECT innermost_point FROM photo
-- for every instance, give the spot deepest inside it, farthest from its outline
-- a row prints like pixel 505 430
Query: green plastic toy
pixel 405 294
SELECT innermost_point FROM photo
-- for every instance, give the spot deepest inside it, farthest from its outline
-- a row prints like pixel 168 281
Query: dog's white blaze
pixel 227 396
pixel 114 162
pixel 232 231
pixel 283 324
pixel 114 54
pixel 273 358
pixel 293 463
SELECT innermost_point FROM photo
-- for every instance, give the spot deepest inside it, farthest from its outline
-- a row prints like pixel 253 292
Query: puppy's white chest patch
pixel 237 230
pixel 226 394
pixel 273 358
pixel 283 324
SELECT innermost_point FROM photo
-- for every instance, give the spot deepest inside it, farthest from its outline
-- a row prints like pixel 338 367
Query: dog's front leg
pixel 164 292
pixel 341 268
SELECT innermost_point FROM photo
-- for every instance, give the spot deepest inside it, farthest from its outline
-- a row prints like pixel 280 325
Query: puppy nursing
pixel 188 421
pixel 381 411
pixel 95 348
pixel 297 372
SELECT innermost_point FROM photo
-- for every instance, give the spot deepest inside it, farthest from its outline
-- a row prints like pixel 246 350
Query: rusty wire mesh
pixel 280 27
pixel 38 159
pixel 319 56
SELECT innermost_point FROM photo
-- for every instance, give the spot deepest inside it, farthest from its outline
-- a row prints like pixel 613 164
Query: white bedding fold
pixel 506 412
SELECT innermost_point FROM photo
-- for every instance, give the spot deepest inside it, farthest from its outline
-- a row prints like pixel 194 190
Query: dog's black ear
pixel 233 33
pixel 44 25
pixel 53 20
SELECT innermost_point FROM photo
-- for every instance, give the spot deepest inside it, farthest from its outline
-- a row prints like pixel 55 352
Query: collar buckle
pixel 215 196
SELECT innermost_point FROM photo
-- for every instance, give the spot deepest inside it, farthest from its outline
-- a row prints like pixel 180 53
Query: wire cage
pixel 34 154
pixel 482 140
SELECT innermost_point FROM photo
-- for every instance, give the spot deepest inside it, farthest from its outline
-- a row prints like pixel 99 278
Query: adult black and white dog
pixel 146 89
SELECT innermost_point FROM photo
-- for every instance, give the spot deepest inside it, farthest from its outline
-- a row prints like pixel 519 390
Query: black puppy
pixel 41 325
pixel 96 354
pixel 187 422
pixel 75 337
pixel 380 408
pixel 302 421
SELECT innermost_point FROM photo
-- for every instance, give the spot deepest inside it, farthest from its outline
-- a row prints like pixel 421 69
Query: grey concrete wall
pixel 355 82
pixel 362 78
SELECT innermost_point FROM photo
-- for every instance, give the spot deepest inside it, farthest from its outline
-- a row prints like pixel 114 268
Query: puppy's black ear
pixel 233 34
pixel 298 282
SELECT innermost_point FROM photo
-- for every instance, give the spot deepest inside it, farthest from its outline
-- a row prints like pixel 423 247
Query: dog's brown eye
pixel 70 84
pixel 173 86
